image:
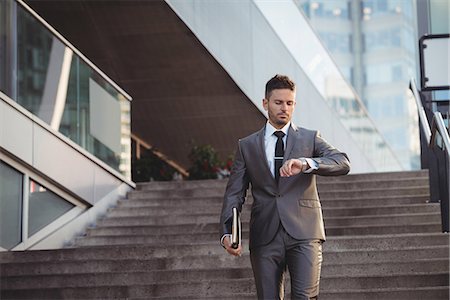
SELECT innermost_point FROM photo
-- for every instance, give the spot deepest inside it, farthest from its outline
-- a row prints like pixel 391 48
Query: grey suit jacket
pixel 294 201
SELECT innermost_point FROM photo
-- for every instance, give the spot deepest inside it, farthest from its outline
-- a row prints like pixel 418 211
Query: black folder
pixel 236 231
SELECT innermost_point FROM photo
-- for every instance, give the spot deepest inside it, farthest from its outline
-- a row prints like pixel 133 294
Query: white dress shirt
pixel 270 141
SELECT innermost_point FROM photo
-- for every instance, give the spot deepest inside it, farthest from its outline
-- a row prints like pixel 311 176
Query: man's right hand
pixel 231 250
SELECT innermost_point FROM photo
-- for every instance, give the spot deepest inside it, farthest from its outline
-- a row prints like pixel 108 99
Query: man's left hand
pixel 293 167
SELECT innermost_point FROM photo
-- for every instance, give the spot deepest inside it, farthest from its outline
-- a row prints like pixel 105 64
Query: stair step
pixel 383 229
pixel 376 192
pixel 334 202
pixel 211 228
pixel 215 251
pixel 118 278
pixel 381 210
pixel 323 184
pixel 327 185
pixel 185 234
pixel 200 218
pixel 374 176
pixel 361 242
pixel 206 288
pixel 389 267
pixel 375 201
pixel 210 288
pixel 324 194
pixel 410 280
pixel 424 265
pixel 394 219
pixel 194 184
pixel 214 210
pixel 381 242
pixel 417 293
pixel 171 239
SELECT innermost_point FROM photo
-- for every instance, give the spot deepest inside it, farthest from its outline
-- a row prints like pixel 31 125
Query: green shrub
pixel 151 168
pixel 205 163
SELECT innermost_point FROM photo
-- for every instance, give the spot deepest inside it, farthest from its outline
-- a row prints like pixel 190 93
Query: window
pixel 384 73
pixel 337 42
pixel 380 8
pixel 44 207
pixel 383 39
pixel 338 9
pixel 26 206
pixel 387 107
pixel 10 206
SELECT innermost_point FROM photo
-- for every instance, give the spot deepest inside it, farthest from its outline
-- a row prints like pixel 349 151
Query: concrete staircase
pixel 384 242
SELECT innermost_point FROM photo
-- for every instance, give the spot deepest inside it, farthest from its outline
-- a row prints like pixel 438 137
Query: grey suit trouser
pixel 303 258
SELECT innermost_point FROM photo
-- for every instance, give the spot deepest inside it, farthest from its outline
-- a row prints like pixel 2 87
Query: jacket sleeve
pixel 331 161
pixel 235 192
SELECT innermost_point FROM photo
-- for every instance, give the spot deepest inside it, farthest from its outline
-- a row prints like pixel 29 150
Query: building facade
pixel 374 43
pixel 64 135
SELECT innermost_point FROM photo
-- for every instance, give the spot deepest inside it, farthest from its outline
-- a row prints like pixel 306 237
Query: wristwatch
pixel 304 164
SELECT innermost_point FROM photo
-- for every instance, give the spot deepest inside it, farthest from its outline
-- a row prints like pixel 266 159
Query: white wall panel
pixel 63 164
pixel 104 183
pixel 16 132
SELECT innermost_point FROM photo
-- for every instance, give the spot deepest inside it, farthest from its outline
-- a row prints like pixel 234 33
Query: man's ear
pixel 265 103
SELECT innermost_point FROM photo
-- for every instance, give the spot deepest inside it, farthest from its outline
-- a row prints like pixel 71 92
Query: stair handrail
pixel 441 181
pixel 421 110
pixel 438 126
pixel 437 123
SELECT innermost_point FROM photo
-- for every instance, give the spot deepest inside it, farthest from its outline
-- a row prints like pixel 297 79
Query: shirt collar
pixel 270 129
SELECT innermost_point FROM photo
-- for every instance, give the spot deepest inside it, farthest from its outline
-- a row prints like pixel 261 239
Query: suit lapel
pixel 291 140
pixel 262 149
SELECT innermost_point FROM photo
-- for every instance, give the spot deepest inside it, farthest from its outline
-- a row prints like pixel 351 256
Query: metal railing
pixel 422 115
pixel 438 141
pixel 438 126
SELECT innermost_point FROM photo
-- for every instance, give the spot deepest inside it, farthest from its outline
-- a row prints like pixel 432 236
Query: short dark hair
pixel 279 82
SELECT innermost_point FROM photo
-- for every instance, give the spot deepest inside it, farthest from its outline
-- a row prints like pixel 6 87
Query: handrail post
pixel 442 153
pixel 435 157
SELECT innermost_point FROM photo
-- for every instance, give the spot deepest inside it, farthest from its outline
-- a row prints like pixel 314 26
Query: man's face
pixel 280 107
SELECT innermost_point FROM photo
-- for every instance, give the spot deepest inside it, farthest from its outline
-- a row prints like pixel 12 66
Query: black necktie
pixel 279 153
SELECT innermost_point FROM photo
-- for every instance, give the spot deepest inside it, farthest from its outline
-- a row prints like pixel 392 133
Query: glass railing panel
pixel 7 60
pixel 53 82
pixel 35 49
pixel 93 115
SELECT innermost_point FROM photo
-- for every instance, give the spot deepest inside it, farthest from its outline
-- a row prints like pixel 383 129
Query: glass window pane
pixel 69 95
pixel 44 207
pixel 7 74
pixel 10 206
pixel 3 38
pixel 33 57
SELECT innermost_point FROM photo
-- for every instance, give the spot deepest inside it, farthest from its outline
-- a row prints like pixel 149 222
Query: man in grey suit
pixel 280 162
